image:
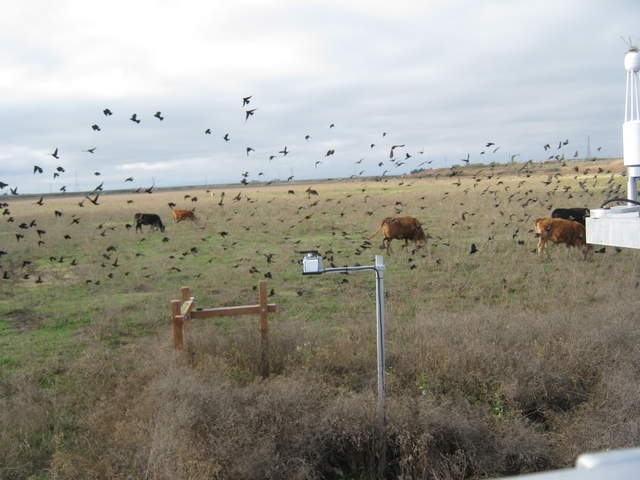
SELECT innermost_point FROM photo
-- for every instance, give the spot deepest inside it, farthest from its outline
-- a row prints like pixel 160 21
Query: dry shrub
pixel 453 439
pixel 28 427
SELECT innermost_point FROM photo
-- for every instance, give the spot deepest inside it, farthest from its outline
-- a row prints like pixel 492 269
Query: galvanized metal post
pixel 379 269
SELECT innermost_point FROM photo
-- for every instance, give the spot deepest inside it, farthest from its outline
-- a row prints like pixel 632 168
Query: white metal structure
pixel 620 226
pixel 631 126
pixel 614 464
pixel 312 265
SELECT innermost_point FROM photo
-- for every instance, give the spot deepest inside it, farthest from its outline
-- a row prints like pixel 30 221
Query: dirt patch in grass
pixel 23 319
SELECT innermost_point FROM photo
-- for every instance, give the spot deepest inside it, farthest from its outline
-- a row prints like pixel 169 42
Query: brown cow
pixel 559 230
pixel 401 228
pixel 179 215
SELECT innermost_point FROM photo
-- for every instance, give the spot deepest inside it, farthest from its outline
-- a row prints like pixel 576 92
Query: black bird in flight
pixel 2 185
pixel 134 118
pixel 307 137
pixel 246 100
pixel 55 153
pixel 207 131
pixel 14 190
pixel 226 137
pixel 393 147
pixel 95 127
pixel 284 151
pixel 128 179
pixel 249 149
pixel 107 112
pixel 248 113
pixel 36 168
pixel 41 201
pixel 91 150
pixel 159 116
pixel 93 200
pixel 60 169
pixel 332 125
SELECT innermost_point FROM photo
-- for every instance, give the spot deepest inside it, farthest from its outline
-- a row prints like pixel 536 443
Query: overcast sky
pixel 441 77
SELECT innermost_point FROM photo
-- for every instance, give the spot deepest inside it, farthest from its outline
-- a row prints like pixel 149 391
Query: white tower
pixel 631 126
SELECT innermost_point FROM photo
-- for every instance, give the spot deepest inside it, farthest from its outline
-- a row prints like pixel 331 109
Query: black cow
pixel 148 219
pixel 575 214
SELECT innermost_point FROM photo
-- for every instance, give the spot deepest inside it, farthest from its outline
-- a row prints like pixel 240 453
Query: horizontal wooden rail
pixel 231 311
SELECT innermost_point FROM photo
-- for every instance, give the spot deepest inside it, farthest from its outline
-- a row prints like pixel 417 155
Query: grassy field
pixel 498 362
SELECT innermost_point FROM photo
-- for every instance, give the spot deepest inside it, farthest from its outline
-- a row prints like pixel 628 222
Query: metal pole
pixel 380 333
pixel 632 189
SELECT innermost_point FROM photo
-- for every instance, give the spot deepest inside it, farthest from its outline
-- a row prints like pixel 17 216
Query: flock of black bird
pixel 487 181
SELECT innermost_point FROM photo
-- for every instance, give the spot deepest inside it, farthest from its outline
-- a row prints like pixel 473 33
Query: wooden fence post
pixel 177 322
pixel 264 330
pixel 186 293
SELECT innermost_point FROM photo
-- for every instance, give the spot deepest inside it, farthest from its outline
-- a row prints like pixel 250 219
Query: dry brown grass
pixel 498 363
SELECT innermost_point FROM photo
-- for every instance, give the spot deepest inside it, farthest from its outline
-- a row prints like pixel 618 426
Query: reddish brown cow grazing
pixel 559 230
pixel 179 215
pixel 401 228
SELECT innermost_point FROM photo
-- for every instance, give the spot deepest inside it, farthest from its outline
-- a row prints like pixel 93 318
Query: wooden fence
pixel 183 311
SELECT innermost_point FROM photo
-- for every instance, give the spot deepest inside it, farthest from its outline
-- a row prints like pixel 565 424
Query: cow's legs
pixel 541 245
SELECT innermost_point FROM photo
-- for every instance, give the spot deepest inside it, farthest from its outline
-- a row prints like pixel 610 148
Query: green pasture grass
pixel 151 271
pixel 269 220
